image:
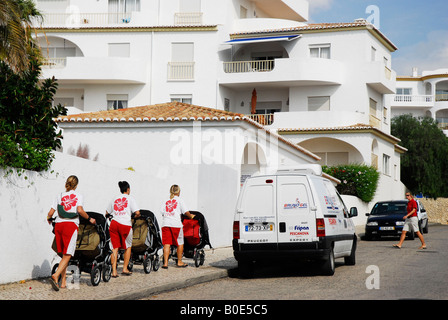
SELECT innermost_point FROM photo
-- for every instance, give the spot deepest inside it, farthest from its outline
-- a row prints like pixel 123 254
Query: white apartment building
pixel 423 95
pixel 322 86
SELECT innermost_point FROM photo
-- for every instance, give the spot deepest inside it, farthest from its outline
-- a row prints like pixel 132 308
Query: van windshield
pixel 387 208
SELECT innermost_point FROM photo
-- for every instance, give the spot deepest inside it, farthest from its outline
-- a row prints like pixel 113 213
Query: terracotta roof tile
pixel 171 111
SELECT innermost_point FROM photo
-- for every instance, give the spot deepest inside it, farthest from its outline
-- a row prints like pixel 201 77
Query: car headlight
pixel 372 223
pixel 399 223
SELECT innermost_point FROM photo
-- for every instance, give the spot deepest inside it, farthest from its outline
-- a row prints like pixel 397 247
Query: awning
pixel 263 39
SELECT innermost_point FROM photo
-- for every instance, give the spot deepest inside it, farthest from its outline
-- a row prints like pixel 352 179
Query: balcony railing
pixel 248 66
pixel 188 18
pixel 74 20
pixel 442 97
pixel 180 70
pixel 411 98
pixel 442 123
pixel 54 63
pixel 263 119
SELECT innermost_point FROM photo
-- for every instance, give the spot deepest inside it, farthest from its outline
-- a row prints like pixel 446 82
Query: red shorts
pixel 172 236
pixel 66 234
pixel 120 235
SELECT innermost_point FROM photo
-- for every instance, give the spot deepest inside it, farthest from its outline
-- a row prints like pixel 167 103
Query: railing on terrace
pixel 442 97
pixel 374 121
pixel 442 123
pixel 388 73
pixel 85 19
pixel 411 98
pixel 263 119
pixel 248 66
pixel 54 63
pixel 188 18
pixel 180 70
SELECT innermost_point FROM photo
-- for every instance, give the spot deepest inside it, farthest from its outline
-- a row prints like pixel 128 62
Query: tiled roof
pixel 314 27
pixel 342 129
pixel 171 111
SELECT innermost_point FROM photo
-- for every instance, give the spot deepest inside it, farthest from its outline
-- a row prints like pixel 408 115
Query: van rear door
pixel 257 211
pixel 296 220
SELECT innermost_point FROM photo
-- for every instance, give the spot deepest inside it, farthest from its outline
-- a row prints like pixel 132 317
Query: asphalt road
pixel 381 273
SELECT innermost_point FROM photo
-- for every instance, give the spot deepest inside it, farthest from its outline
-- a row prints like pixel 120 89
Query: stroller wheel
pixel 147 264
pixel 95 275
pixel 156 263
pixel 201 257
pixel 197 259
pixel 107 272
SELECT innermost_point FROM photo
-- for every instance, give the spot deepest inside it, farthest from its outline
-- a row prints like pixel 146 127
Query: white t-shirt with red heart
pixel 171 211
pixel 122 207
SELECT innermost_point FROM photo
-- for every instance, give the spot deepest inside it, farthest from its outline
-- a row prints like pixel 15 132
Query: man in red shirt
pixel 411 222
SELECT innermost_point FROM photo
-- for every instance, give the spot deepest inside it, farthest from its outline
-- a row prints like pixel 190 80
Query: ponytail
pixel 174 191
pixel 71 183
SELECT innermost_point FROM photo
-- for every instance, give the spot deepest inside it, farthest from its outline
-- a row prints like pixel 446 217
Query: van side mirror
pixel 353 212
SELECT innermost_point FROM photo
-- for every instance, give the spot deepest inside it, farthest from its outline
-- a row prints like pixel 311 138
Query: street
pixel 381 273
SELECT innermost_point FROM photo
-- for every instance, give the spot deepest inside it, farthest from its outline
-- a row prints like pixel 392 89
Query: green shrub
pixel 356 180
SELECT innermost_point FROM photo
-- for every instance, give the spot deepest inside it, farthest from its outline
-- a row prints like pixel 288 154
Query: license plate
pixel 259 227
pixel 387 228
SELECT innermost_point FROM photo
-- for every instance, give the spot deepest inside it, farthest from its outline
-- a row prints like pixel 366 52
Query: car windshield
pixel 389 208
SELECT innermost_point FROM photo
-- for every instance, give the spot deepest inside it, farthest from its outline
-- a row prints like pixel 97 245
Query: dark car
pixel 386 219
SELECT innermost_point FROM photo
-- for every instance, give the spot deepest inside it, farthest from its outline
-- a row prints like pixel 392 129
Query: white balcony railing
pixel 54 63
pixel 180 70
pixel 74 20
pixel 248 66
pixel 442 97
pixel 413 98
pixel 263 119
pixel 188 18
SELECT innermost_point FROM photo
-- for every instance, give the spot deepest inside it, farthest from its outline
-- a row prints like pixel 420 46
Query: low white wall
pixel 25 235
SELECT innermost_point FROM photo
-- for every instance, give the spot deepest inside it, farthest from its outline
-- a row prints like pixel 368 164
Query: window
pixel 181 66
pixel 117 101
pixel 243 12
pixel 320 51
pixel 386 165
pixel 319 103
pixel 119 50
pixel 116 6
pixel 372 54
pixel 372 105
pixel 404 91
pixel 185 98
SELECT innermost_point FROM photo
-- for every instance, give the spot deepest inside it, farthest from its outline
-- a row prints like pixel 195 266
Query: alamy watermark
pixel 374 15
pixel 373 280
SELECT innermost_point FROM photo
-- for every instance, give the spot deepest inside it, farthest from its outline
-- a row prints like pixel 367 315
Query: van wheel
pixel 328 265
pixel 246 269
pixel 351 259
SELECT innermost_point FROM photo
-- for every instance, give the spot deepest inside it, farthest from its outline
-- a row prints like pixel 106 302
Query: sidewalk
pixel 217 264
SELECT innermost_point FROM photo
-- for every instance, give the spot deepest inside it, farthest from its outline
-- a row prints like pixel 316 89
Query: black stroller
pixel 196 237
pixel 146 242
pixel 92 254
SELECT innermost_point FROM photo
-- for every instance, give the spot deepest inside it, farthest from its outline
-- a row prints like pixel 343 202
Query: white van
pixel 294 213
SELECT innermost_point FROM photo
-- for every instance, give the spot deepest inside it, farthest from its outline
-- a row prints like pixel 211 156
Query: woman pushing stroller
pixel 69 206
pixel 121 208
pixel 172 233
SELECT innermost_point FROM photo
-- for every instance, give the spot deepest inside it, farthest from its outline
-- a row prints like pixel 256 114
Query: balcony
pixel 188 18
pixel 180 71
pixel 413 101
pixel 81 19
pixel 263 119
pixel 380 77
pixel 95 70
pixel 282 72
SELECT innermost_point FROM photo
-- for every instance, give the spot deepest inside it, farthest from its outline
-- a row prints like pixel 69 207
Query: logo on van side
pixel 296 205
